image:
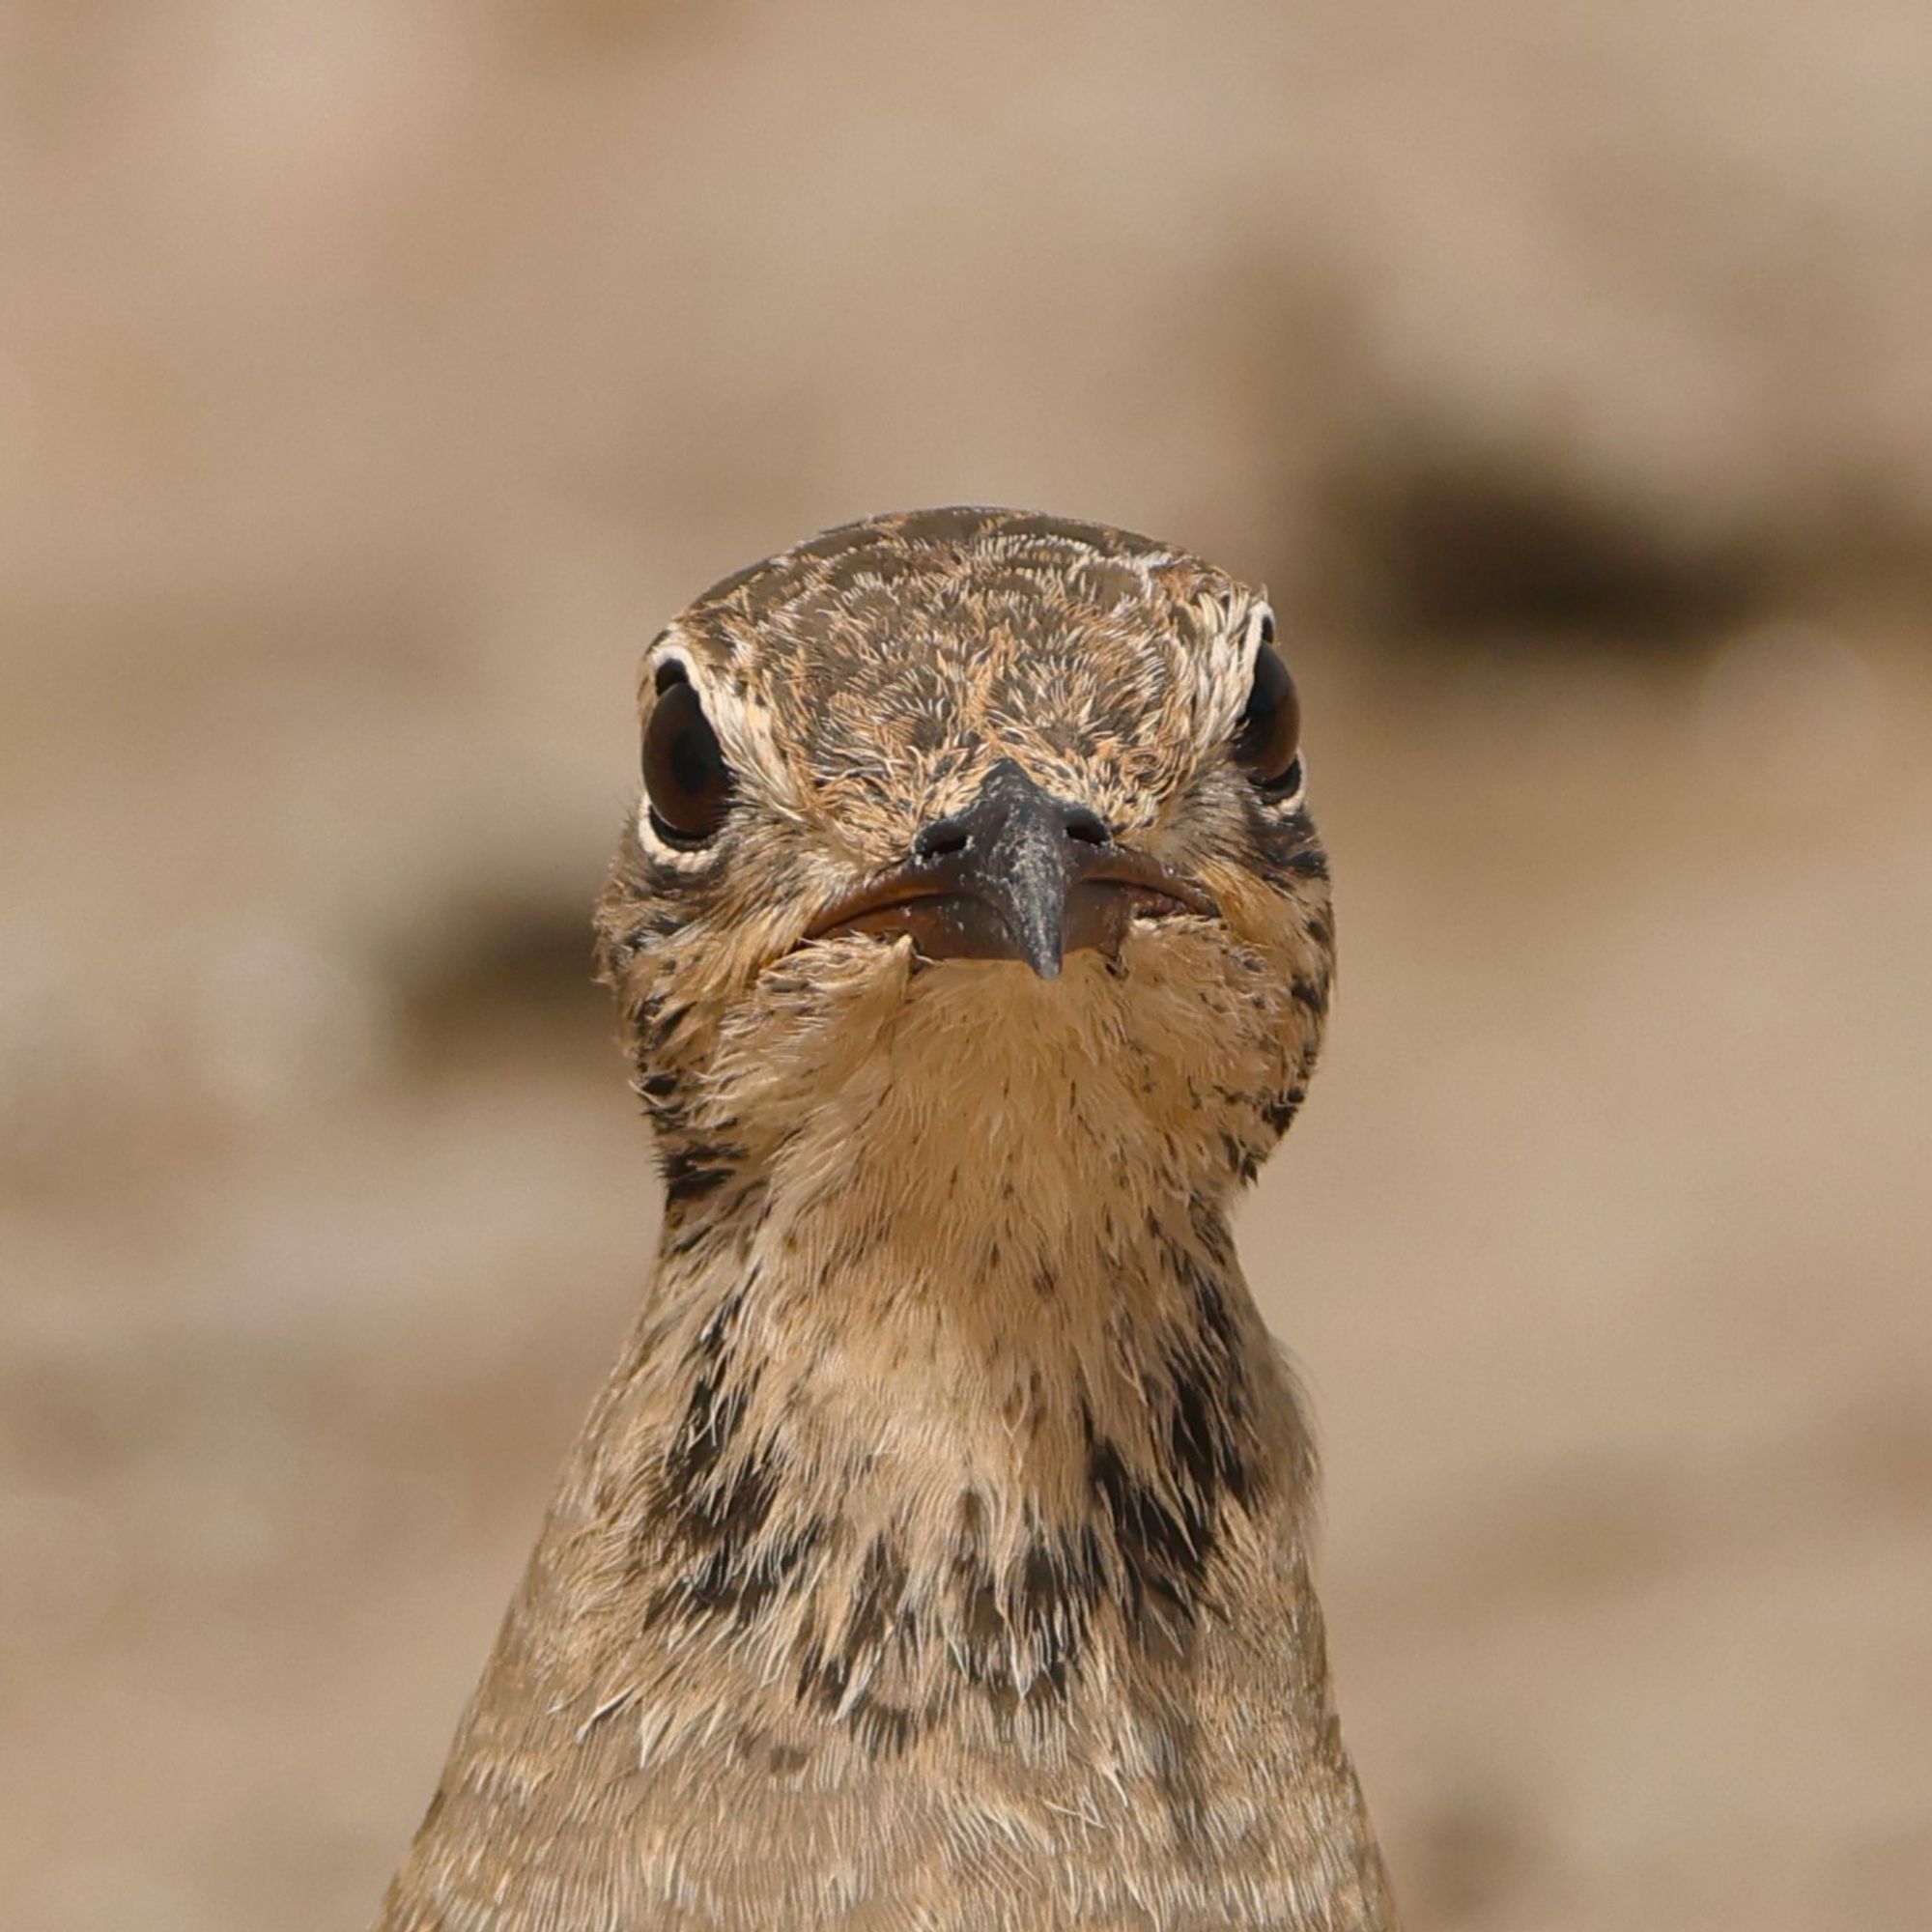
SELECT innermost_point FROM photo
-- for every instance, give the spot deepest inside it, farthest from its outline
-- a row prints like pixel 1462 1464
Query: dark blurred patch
pixel 499 972
pixel 1587 1530
pixel 1880 1881
pixel 1437 541
pixel 1859 539
pixel 604 29
pixel 1883 1451
pixel 1468 1858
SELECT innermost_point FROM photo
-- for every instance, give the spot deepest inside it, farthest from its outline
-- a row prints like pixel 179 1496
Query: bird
pixel 937 1556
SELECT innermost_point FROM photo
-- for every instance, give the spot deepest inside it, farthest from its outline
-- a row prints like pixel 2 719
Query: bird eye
pixel 686 778
pixel 1268 740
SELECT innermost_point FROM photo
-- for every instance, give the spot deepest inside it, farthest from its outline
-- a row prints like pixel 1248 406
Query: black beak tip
pixel 1036 920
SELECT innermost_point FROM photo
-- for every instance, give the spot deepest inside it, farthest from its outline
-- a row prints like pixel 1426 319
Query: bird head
pixel 969 823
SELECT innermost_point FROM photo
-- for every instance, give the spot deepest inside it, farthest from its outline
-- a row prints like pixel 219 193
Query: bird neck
pixel 903 1361
pixel 963 1269
pixel 960 1424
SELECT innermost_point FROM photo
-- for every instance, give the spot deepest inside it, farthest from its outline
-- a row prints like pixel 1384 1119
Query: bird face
pixel 970 810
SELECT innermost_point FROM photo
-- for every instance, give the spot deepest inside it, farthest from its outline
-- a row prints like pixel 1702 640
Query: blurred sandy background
pixel 377 376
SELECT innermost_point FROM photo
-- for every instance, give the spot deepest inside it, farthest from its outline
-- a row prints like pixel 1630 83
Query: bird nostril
pixel 1089 826
pixel 942 840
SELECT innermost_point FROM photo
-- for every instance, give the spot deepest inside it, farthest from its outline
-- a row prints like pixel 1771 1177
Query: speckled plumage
pixel 935 1559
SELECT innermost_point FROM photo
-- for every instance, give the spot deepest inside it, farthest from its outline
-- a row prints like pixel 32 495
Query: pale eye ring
pixel 687 786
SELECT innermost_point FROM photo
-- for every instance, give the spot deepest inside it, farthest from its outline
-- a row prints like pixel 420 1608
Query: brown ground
pixel 378 376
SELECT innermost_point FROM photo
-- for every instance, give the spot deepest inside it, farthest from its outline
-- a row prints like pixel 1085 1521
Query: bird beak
pixel 1017 875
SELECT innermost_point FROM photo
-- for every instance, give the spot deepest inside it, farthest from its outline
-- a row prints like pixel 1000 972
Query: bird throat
pixel 935 1418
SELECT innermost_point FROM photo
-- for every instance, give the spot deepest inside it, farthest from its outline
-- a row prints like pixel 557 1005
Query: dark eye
pixel 1267 741
pixel 686 778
